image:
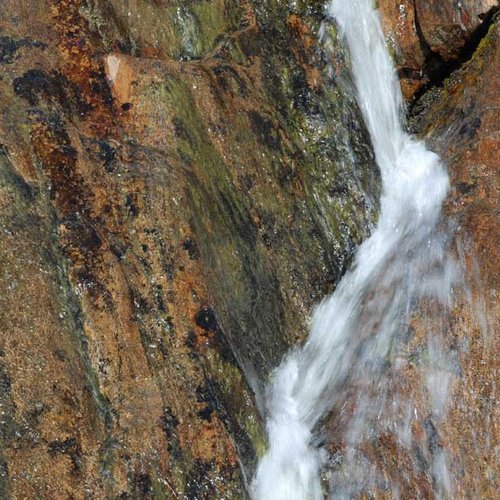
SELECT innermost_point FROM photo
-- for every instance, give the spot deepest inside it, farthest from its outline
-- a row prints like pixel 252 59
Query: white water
pixel 354 347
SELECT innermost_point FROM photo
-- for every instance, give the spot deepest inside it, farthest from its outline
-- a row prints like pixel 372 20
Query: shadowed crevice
pixel 436 68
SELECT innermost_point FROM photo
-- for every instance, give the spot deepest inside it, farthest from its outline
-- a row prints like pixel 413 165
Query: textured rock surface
pixel 447 26
pixel 429 37
pixel 179 183
pixel 462 123
pixel 400 27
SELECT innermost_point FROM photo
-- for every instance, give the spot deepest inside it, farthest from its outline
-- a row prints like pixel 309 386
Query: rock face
pixel 400 27
pixel 461 122
pixel 428 38
pixel 447 26
pixel 457 444
pixel 179 183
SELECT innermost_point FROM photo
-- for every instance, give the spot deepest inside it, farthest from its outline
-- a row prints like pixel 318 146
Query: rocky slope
pixel 179 183
pixel 461 121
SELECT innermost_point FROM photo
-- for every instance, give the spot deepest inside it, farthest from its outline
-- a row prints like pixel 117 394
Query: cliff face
pixel 180 182
pixel 461 122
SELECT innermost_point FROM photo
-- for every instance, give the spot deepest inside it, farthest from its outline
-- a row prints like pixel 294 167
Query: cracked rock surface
pixel 431 38
pixel 180 183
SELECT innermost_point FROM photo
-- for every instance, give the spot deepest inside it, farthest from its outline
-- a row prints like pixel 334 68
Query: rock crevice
pixel 436 68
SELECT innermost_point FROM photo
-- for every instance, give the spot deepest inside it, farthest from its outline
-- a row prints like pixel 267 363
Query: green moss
pixel 232 384
pixel 180 30
pixel 488 40
pixel 253 426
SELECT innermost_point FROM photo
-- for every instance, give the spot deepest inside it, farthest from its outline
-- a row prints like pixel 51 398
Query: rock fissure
pixel 438 69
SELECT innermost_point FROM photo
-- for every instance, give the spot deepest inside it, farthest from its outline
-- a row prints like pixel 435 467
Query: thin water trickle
pixel 353 355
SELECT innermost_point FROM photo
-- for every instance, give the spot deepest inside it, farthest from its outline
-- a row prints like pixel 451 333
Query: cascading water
pixel 352 358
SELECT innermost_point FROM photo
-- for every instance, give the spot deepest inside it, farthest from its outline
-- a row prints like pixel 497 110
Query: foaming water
pixel 354 358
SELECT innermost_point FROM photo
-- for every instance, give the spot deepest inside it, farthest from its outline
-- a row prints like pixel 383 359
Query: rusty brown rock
pixel 400 28
pixel 447 26
pixel 157 200
pixel 462 123
pixel 173 200
pixel 429 37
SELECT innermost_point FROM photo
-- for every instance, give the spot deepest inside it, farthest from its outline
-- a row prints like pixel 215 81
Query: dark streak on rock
pixel 9 46
pixel 437 69
pixel 265 130
pixel 70 447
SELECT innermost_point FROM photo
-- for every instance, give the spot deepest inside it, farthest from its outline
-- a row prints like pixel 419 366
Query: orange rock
pixel 398 20
pixel 461 123
pixel 447 25
pixel 427 35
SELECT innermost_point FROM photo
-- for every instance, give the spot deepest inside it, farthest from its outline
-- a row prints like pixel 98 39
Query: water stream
pixel 354 357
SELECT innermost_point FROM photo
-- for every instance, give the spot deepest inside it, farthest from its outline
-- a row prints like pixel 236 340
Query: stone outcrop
pixel 429 39
pixel 179 183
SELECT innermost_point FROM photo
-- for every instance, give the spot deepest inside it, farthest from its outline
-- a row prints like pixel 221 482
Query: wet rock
pixel 159 157
pixel 153 161
pixel 447 26
pixel 430 39
pixel 460 123
pixel 402 34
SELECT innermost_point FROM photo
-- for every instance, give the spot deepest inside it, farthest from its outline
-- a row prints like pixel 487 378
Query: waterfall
pixel 352 358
